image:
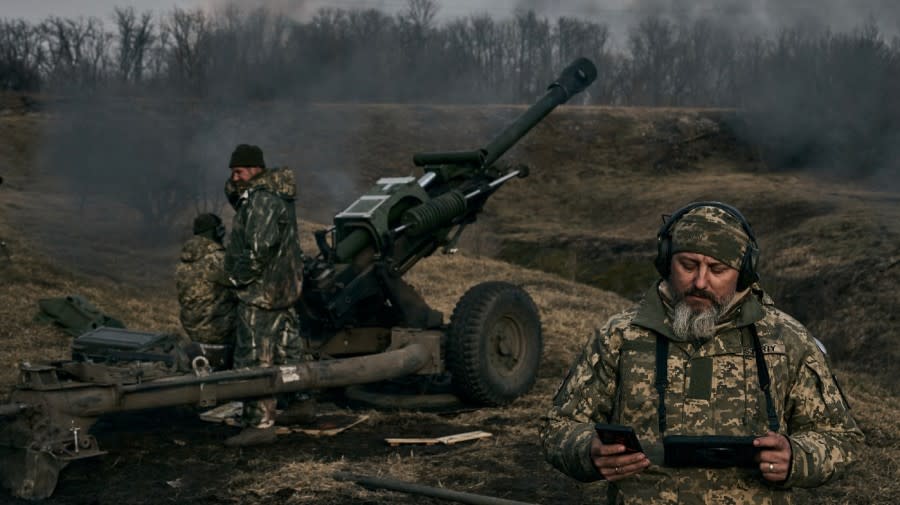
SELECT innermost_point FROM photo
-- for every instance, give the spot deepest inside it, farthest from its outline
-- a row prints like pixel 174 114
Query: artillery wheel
pixel 494 344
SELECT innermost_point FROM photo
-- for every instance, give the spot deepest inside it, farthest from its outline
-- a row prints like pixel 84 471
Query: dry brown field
pixel 577 234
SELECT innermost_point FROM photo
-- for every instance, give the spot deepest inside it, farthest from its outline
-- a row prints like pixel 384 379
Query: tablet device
pixel 710 451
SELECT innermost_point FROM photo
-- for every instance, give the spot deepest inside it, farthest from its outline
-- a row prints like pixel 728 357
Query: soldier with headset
pixel 729 399
pixel 207 307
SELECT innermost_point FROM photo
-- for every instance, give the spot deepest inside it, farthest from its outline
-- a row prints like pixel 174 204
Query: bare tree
pixel 420 14
pixel 703 57
pixel 416 32
pixel 21 56
pixel 76 51
pixel 374 45
pixel 486 49
pixel 578 38
pixel 189 39
pixel 653 51
pixel 135 37
pixel 535 55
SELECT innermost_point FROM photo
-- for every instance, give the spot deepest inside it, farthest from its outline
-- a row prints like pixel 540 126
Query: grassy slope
pixel 628 206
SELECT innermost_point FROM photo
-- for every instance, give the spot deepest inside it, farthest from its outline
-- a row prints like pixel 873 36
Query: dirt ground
pixel 170 456
pixel 832 260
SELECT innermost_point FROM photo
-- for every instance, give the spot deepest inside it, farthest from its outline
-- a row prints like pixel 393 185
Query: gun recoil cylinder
pixel 435 213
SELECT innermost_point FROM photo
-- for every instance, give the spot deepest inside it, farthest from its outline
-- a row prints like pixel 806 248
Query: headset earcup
pixel 748 273
pixel 663 260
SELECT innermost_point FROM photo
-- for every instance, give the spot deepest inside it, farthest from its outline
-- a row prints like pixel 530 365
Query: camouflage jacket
pixel 713 390
pixel 207 307
pixel 263 259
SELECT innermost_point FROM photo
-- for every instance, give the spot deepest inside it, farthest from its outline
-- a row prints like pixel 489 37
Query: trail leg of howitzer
pixel 46 427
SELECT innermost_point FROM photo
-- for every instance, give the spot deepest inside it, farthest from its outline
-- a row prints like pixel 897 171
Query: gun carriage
pixel 362 321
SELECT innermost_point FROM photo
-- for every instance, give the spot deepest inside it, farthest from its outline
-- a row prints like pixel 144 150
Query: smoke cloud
pixel 154 132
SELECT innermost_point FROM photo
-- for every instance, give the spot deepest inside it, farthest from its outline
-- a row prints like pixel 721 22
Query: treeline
pixel 347 55
pixel 816 97
pixel 369 55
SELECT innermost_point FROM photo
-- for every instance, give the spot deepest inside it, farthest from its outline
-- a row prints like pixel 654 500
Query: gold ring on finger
pixel 618 470
pixel 771 468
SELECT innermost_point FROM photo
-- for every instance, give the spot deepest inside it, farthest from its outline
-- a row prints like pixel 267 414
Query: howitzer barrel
pixel 573 79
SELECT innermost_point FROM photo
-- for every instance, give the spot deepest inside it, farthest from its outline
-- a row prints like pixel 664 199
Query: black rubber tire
pixel 494 344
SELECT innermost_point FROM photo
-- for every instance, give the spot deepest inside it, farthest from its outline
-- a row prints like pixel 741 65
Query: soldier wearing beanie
pixel 264 267
pixel 705 354
pixel 207 308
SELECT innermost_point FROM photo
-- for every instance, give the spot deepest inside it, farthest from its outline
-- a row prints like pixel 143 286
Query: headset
pixel 663 262
pixel 220 231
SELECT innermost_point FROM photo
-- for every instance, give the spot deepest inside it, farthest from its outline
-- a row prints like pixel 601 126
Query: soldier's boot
pixel 298 412
pixel 252 436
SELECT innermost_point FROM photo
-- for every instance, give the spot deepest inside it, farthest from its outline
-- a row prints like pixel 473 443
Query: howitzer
pixel 402 220
pixel 361 321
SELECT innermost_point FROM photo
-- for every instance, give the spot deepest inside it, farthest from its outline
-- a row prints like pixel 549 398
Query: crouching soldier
pixel 207 307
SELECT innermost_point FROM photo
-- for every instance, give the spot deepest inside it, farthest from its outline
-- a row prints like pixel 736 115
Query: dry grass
pixel 571 198
pixel 569 312
pixel 28 276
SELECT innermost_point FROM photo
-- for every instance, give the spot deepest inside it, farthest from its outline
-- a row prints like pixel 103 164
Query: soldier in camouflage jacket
pixel 708 308
pixel 207 307
pixel 264 263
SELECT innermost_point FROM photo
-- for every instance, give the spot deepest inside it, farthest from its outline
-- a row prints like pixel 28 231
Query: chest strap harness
pixel 662 379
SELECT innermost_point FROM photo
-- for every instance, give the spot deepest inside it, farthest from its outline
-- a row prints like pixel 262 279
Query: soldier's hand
pixel 774 456
pixel 614 463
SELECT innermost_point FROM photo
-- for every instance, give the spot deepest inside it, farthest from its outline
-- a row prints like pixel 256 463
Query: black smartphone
pixel 618 434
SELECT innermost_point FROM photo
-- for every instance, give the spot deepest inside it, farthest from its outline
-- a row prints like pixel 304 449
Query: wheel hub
pixel 507 345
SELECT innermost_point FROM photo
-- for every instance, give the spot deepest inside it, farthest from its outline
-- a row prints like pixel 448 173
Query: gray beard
pixel 690 324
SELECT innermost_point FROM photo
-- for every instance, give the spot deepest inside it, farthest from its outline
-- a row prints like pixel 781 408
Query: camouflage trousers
pixel 265 338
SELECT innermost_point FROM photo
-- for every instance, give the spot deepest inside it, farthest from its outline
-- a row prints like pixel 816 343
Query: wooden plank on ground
pixel 446 440
pixel 325 425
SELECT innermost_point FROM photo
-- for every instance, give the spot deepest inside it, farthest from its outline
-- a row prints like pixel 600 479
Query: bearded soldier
pixel 264 263
pixel 731 399
pixel 207 307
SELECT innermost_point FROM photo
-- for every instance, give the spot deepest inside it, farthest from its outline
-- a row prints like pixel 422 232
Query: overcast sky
pixel 840 15
pixel 38 9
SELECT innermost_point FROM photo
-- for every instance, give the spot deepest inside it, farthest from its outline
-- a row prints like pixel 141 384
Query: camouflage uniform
pixel 263 261
pixel 713 389
pixel 207 307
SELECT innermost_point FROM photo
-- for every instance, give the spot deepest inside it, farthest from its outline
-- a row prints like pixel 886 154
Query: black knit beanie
pixel 246 155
